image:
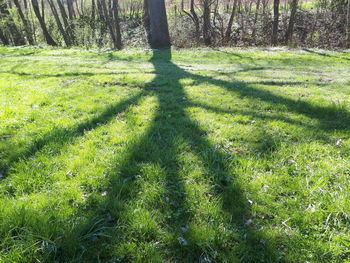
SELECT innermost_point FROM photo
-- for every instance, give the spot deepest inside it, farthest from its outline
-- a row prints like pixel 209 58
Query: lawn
pixel 198 155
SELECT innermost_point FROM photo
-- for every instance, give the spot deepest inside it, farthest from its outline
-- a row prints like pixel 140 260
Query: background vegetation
pixel 113 23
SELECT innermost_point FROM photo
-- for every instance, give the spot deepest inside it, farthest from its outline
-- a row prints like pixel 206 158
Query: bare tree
pixel 27 27
pixel 71 10
pixel 230 22
pixel 290 29
pixel 110 14
pixel 68 24
pixel 193 15
pixel 63 32
pixel 40 17
pixel 255 19
pixel 17 37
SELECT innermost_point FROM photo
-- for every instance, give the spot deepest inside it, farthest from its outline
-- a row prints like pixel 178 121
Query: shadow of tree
pixel 161 147
pixel 329 116
pixel 63 136
pixel 323 54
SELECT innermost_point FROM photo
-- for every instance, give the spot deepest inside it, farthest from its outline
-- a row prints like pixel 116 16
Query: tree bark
pixel 290 29
pixel 107 19
pixel 27 28
pixel 3 38
pixel 146 21
pixel 43 10
pixel 116 23
pixel 47 36
pixel 194 17
pixel 102 23
pixel 276 7
pixel 206 23
pixel 111 17
pixel 71 11
pixel 230 22
pixel 255 19
pixel 17 37
pixel 93 10
pixel 66 37
pixel 77 12
pixel 348 26
pixel 158 34
pixel 68 25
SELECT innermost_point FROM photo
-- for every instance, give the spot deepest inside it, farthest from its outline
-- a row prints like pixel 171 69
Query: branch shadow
pixel 62 136
pixel 159 147
pixel 68 74
pixel 323 54
pixel 330 117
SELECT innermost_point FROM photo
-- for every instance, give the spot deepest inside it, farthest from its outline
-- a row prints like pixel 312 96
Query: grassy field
pixel 185 156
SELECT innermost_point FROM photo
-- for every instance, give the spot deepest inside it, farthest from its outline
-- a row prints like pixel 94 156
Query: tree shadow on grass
pixel 222 236
pixel 330 117
pixel 161 147
pixel 323 54
pixel 63 136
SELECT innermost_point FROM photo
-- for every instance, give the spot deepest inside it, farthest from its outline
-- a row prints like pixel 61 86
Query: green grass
pixel 186 156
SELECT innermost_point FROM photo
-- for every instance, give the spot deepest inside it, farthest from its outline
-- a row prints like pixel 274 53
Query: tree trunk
pixel 17 37
pixel 27 28
pixel 82 5
pixel 107 19
pixel 206 23
pixel 102 23
pixel 68 25
pixel 194 17
pixel 158 24
pixel 66 37
pixel 3 38
pixel 93 19
pixel 146 21
pixel 276 7
pixel 290 29
pixel 71 11
pixel 195 20
pixel 116 22
pixel 230 22
pixel 348 26
pixel 111 17
pixel 255 20
pixel 78 12
pixel 47 36
pixel 93 10
pixel 43 10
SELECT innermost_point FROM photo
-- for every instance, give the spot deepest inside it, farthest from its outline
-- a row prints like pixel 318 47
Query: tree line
pixel 184 23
